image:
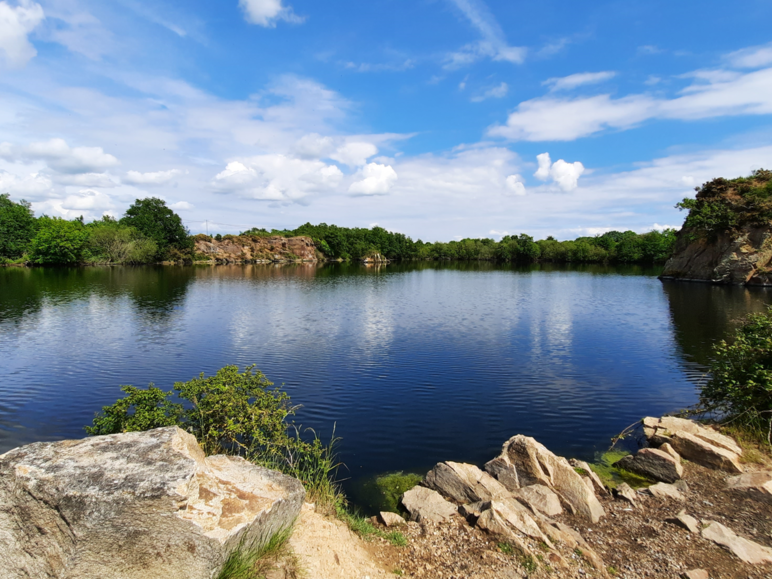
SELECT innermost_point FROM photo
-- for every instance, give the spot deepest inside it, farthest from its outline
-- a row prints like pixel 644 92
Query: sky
pixel 440 119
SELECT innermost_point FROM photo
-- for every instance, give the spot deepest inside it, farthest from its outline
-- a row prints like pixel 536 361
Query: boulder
pixel 391 519
pixel 705 454
pixel 464 483
pixel 675 425
pixel 539 498
pixel 535 464
pixel 666 491
pixel 685 522
pixel 503 471
pixel 427 504
pixel 138 505
pixel 742 548
pixel 671 451
pixel 756 485
pixel 597 485
pixel 653 464
pixel 508 517
pixel 625 492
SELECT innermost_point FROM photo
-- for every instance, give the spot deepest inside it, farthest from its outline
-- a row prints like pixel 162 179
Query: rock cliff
pixel 727 236
pixel 254 249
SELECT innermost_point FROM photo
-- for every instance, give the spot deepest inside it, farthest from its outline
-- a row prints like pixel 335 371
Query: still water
pixel 414 363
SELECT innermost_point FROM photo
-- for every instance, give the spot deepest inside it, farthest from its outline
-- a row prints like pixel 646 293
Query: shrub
pixel 17 227
pixel 58 242
pixel 740 384
pixel 154 220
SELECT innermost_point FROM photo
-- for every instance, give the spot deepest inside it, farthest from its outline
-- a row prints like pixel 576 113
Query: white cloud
pixel 152 178
pixel 314 146
pixel 493 43
pixel 376 179
pixel 277 177
pixel 31 185
pixel 354 154
pixel 268 12
pixel 181 206
pixel 579 79
pixel 543 172
pixel 15 24
pixel 753 57
pixel 712 94
pixel 89 203
pixel 515 185
pixel 60 157
pixel 566 175
pixel 495 92
pixel 100 180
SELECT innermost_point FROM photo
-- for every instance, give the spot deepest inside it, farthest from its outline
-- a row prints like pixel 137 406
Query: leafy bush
pixel 58 241
pixel 154 220
pixel 17 227
pixel 740 384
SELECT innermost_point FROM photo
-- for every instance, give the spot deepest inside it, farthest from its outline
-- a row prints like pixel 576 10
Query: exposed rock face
pixel 247 248
pixel 540 498
pixel 757 485
pixel 427 504
pixel 742 548
pixel 464 483
pixel 507 517
pixel 654 464
pixel 138 505
pixel 535 464
pixel 503 471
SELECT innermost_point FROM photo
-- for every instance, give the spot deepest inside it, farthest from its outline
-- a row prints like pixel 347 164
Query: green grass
pixel 253 560
pixel 529 563
pixel 506 548
pixel 365 529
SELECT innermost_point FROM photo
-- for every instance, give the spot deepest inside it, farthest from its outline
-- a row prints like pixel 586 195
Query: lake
pixel 413 363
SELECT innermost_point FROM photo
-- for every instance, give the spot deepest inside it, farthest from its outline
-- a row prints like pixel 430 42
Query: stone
pixel 665 491
pixel 540 498
pixel 464 483
pixel 705 454
pixel 137 505
pixel 742 548
pixel 597 484
pixel 535 464
pixel 696 574
pixel 653 464
pixel 675 425
pixel 473 510
pixel 503 471
pixel 509 516
pixel 666 447
pixel 755 485
pixel 427 504
pixel 625 492
pixel 391 519
pixel 686 522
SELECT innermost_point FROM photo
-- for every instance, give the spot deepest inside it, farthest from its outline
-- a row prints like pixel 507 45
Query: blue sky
pixel 437 118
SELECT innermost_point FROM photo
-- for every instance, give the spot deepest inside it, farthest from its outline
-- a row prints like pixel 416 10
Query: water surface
pixel 414 363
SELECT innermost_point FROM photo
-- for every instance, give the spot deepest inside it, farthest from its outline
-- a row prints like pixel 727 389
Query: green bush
pixel 58 242
pixel 154 220
pixel 17 227
pixel 740 384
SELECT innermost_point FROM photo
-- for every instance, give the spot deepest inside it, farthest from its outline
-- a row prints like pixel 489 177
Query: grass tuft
pixel 365 529
pixel 252 560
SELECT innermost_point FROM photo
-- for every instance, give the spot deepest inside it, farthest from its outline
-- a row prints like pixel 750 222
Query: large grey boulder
pixel 654 464
pixel 464 483
pixel 138 505
pixel 535 464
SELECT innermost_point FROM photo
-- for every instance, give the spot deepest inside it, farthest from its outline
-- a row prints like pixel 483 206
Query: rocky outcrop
pixel 464 483
pixel 540 498
pixel 137 505
pixel 254 249
pixel 427 504
pixel 653 464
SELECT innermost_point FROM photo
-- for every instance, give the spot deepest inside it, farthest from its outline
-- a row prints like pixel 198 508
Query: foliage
pixel 740 384
pixel 112 242
pixel 58 241
pixel 154 220
pixel 17 227
pixel 254 560
pixel 235 413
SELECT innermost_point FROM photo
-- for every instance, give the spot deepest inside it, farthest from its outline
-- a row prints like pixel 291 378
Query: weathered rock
pixel 509 516
pixel 427 504
pixel 535 464
pixel 665 491
pixel 703 453
pixel 696 574
pixel 597 485
pixel 685 522
pixel 652 463
pixel 674 425
pixel 563 533
pixel 246 248
pixel 138 505
pixel 756 485
pixel 464 483
pixel 503 471
pixel 742 548
pixel 671 451
pixel 625 492
pixel 391 519
pixel 539 498
pixel 473 510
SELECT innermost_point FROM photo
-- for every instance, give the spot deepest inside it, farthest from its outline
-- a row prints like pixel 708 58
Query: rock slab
pixel 464 483
pixel 742 548
pixel 540 498
pixel 756 485
pixel 427 504
pixel 653 464
pixel 138 505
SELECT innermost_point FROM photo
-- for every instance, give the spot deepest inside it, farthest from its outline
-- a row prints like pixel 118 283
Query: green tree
pixel 58 241
pixel 154 220
pixel 17 227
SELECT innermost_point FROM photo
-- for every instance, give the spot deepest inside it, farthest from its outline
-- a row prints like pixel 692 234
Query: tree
pixel 154 220
pixel 17 227
pixel 58 241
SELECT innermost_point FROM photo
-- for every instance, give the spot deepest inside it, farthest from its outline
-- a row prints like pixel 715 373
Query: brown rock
pixel 705 454
pixel 391 519
pixel 427 504
pixel 665 491
pixel 686 522
pixel 625 492
pixel 742 548
pixel 509 516
pixel 464 483
pixel 540 498
pixel 756 485
pixel 597 484
pixel 653 464
pixel 696 574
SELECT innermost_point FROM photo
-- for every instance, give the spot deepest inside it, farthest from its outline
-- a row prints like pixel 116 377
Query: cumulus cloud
pixel 89 203
pixel 181 206
pixel 375 179
pixel 152 178
pixel 314 146
pixel 15 25
pixel 579 79
pixel 101 180
pixel 60 157
pixel 565 175
pixel 32 185
pixel 495 92
pixel 268 12
pixel 515 185
pixel 277 177
pixel 354 154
